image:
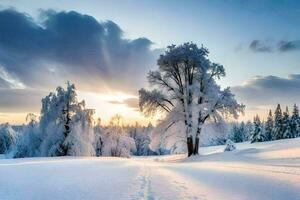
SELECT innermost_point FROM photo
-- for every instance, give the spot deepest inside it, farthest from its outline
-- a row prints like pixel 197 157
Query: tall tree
pixel 278 127
pixel 295 122
pixel 257 135
pixel 287 133
pixel 269 126
pixel 185 86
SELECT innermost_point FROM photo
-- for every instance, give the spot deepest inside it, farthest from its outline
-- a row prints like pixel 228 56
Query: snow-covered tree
pixel 286 128
pixel 98 138
pixel 141 136
pixel 257 135
pixel 238 132
pixel 295 122
pixel 269 126
pixel 185 85
pixel 248 130
pixel 29 140
pixel 7 138
pixel 278 125
pixel 116 141
pixel 81 137
pixel 65 124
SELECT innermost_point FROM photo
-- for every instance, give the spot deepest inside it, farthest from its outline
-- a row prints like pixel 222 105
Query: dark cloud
pixel 259 46
pixel 62 46
pixel 21 100
pixel 269 90
pixel 130 102
pixel 284 46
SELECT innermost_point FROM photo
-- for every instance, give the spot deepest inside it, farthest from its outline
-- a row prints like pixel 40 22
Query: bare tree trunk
pixel 190 145
pixel 196 148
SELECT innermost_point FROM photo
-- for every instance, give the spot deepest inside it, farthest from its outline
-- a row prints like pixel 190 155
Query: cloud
pixel 58 46
pixel 284 46
pixel 130 102
pixel 21 100
pixel 259 46
pixel 269 90
pixel 268 46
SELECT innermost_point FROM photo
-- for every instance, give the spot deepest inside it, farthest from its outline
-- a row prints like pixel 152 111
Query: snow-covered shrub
pixel 7 138
pixel 117 143
pixel 230 146
pixel 142 138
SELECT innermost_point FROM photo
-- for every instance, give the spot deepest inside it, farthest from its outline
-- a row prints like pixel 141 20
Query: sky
pixel 107 47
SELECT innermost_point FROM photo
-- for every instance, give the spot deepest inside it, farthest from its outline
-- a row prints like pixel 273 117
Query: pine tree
pixel 295 122
pixel 243 131
pixel 257 135
pixel 269 125
pixel 278 127
pixel 286 124
pixel 248 130
pixel 236 133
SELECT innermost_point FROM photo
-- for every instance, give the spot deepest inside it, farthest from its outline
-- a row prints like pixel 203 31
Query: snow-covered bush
pixel 142 138
pixel 7 138
pixel 117 143
pixel 230 146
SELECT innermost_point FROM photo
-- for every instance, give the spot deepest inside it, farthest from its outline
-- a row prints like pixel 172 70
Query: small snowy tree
pixel 278 125
pixel 257 135
pixel 186 82
pixel 269 126
pixel 229 146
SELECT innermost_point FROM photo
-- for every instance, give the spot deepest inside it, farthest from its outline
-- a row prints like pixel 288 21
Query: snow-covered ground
pixel 269 170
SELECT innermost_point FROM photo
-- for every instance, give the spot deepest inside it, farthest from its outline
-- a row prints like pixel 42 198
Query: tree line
pixel 280 125
pixel 67 128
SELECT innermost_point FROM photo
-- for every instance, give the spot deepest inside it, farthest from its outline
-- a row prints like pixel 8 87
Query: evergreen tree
pixel 257 135
pixel 295 122
pixel 238 132
pixel 286 124
pixel 278 126
pixel 248 130
pixel 269 125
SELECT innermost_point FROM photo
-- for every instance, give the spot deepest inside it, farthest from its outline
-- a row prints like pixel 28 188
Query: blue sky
pixel 256 41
